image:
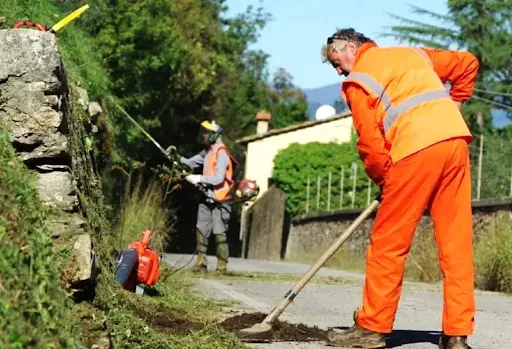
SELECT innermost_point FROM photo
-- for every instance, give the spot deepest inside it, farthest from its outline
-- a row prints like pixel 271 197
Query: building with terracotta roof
pixel 262 147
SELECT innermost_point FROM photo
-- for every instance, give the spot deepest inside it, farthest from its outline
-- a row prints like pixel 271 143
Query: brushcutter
pixel 243 190
pixel 263 331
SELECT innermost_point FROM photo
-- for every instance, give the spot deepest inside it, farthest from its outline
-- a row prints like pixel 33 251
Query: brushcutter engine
pixel 138 264
pixel 246 189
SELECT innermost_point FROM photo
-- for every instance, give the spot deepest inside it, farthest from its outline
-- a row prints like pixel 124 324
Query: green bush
pixel 33 306
pixel 296 164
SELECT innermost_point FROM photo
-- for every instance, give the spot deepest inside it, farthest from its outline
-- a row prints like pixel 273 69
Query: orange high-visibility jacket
pixel 222 191
pixel 410 107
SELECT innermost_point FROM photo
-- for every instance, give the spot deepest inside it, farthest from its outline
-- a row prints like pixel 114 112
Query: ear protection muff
pixel 213 137
pixel 215 134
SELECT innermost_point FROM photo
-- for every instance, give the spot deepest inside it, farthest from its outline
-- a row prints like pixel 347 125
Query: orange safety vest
pixel 222 191
pixel 414 110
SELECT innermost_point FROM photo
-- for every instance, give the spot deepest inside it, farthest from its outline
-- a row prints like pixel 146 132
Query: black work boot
pixel 202 245
pixel 356 337
pixel 453 342
pixel 222 254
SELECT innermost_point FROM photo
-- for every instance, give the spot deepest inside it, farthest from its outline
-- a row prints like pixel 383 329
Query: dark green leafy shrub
pixel 298 163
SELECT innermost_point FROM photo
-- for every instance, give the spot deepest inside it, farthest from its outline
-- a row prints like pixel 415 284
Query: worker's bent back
pixel 412 106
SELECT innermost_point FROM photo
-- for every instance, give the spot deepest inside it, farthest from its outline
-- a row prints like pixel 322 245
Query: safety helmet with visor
pixel 209 132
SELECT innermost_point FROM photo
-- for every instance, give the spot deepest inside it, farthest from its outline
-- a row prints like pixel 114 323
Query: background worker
pixel 214 212
pixel 413 142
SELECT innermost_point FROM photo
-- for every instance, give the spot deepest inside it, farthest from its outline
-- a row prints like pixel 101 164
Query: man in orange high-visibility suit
pixel 413 142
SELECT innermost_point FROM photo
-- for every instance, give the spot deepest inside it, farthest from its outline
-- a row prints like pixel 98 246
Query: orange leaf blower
pixel 138 264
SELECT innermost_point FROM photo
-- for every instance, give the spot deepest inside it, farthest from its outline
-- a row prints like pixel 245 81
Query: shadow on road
pixel 403 337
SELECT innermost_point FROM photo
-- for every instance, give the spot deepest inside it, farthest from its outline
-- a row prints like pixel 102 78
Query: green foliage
pixel 33 307
pixel 174 64
pixel 492 256
pixel 481 27
pixel 297 163
pixel 77 48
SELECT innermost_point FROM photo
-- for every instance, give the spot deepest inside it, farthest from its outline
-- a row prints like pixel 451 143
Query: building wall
pixel 261 153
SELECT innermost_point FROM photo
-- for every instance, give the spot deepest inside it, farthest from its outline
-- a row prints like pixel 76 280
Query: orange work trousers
pixel 436 178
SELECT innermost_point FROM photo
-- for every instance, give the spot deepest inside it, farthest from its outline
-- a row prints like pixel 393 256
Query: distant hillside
pixel 319 96
pixel 323 95
pixel 329 94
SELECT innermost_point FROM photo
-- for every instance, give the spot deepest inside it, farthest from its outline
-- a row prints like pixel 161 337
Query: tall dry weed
pixel 493 256
pixel 142 208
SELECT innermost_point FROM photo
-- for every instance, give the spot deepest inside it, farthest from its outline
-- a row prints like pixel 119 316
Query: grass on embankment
pixel 142 207
pixel 175 318
pixel 34 309
pixel 492 258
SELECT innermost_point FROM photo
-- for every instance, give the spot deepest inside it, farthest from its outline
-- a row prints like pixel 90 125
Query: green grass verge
pixel 142 207
pixel 33 306
pixel 36 312
pixel 177 317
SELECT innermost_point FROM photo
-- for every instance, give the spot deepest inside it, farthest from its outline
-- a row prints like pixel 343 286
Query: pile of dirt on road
pixel 281 330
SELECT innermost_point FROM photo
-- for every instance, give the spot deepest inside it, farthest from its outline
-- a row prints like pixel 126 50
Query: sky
pixel 299 28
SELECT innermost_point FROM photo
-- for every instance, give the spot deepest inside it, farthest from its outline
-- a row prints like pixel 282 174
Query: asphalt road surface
pixel 417 323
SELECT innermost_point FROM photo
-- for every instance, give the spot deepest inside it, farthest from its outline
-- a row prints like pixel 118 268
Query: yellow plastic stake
pixel 66 20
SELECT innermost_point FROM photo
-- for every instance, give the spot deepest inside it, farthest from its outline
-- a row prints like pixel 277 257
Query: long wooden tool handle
pixel 319 263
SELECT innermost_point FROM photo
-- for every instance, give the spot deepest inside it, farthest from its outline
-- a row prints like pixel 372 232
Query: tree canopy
pixel 173 64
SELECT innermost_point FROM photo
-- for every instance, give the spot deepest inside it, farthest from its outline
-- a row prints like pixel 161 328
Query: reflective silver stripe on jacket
pixel 424 55
pixel 411 102
pixel 393 113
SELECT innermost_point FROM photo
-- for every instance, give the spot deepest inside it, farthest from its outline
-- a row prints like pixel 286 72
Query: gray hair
pixel 336 46
pixel 341 38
